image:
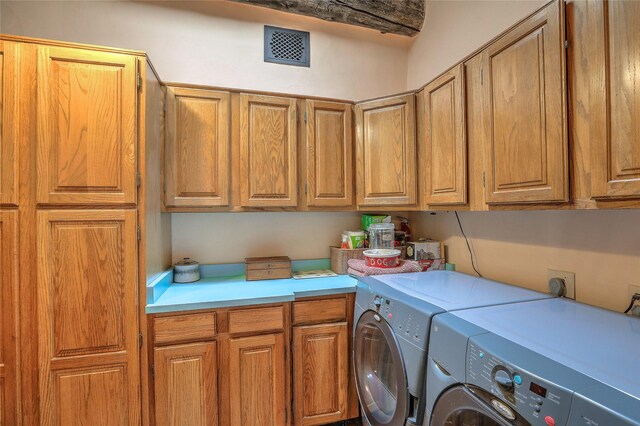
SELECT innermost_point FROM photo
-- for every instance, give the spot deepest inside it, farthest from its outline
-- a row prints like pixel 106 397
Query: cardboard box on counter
pixel 425 250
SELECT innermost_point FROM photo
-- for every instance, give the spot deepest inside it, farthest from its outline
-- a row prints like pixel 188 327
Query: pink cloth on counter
pixel 359 267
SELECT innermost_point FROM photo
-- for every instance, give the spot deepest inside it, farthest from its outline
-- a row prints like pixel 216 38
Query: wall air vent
pixel 284 46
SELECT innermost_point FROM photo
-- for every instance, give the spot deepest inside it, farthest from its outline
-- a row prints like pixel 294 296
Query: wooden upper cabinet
pixel 320 373
pixel 186 385
pixel 524 75
pixel 86 122
pixel 197 148
pixel 268 126
pixel 615 98
pixel 445 139
pixel 329 134
pixel 257 380
pixel 87 317
pixel 8 127
pixel 386 152
pixel 8 315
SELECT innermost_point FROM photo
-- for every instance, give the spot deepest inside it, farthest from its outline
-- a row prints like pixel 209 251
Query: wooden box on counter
pixel 268 268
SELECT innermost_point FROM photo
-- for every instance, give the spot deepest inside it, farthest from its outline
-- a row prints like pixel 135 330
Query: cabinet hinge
pixel 164 187
pixel 153 372
pixel 306 185
pixel 305 117
pixel 566 44
pixel 483 182
pixel 139 81
pixel 139 233
pixel 140 341
pixel 481 76
pixel 138 179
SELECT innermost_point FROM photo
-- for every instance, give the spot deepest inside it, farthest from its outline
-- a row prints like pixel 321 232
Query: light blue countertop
pixel 218 291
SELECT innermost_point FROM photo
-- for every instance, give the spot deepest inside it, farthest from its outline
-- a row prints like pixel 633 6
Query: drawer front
pixel 314 311
pixel 185 328
pixel 268 274
pixel 256 319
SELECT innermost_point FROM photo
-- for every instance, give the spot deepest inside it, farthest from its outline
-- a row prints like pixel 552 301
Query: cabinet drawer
pixel 256 319
pixel 320 311
pixel 185 328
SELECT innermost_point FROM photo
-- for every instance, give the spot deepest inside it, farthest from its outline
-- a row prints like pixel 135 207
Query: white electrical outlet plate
pixel 569 281
pixel 633 289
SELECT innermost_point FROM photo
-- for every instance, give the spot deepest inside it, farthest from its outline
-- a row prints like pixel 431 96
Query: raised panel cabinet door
pixel 446 146
pixel 268 127
pixel 197 148
pixel 329 133
pixel 86 125
pixel 257 380
pixel 8 124
pixel 87 317
pixel 320 373
pixel 386 152
pixel 186 385
pixel 524 79
pixel 8 317
pixel 615 98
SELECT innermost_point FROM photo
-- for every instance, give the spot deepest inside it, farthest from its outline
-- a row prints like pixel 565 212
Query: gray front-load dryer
pixel 392 319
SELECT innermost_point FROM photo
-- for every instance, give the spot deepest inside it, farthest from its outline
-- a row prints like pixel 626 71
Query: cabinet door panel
pixel 86 118
pixel 257 380
pixel 87 316
pixel 8 316
pixel 329 154
pixel 186 385
pixel 386 152
pixel 268 151
pixel 320 373
pixel 615 99
pixel 525 102
pixel 8 127
pixel 197 148
pixel 446 147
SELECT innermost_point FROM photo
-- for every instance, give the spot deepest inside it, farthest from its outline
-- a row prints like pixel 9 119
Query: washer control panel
pixel 406 322
pixel 539 401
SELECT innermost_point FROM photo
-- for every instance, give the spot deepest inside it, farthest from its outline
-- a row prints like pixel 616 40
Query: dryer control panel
pixel 520 380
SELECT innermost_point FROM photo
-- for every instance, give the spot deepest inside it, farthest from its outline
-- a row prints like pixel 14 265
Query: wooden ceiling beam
pixel 404 17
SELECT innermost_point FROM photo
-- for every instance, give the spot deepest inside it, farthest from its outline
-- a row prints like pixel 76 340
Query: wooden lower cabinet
pixel 320 373
pixel 257 380
pixel 186 385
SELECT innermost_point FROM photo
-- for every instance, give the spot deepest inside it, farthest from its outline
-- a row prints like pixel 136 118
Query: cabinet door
pixel 257 380
pixel 320 373
pixel 86 118
pixel 8 309
pixel 268 171
pixel 8 128
pixel 386 152
pixel 186 385
pixel 329 154
pixel 446 146
pixel 87 317
pixel 524 76
pixel 615 99
pixel 197 148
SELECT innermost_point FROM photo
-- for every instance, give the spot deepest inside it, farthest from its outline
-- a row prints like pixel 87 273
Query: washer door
pixel 381 379
pixel 460 406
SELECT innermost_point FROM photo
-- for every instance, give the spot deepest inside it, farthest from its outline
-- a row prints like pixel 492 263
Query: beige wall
pixel 601 247
pixel 455 28
pixel 221 43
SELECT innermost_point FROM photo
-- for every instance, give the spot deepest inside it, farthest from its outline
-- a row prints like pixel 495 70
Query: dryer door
pixel 381 379
pixel 460 406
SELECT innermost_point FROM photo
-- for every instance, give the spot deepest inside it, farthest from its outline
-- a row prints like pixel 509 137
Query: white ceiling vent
pixel 285 46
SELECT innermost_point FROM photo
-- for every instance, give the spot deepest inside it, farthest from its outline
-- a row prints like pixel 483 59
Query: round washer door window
pixel 380 375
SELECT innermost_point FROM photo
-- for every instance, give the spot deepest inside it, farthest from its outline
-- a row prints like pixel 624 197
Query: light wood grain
pixel 87 317
pixel 9 361
pixel 86 120
pixel 268 149
pixel 184 328
pixel 615 98
pixel 255 320
pixel 386 152
pixel 197 148
pixel 445 137
pixel 329 150
pixel 525 102
pixel 320 373
pixel 257 380
pixel 317 311
pixel 8 124
pixel 186 385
